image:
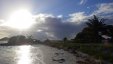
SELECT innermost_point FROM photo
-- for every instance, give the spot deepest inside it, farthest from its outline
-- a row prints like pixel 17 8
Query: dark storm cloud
pixel 56 28
pixel 61 29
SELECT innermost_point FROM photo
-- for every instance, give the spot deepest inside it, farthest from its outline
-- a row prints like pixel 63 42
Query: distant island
pixel 19 40
pixel 4 39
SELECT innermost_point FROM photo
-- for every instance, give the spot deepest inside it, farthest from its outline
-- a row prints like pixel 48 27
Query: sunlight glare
pixel 24 55
pixel 20 19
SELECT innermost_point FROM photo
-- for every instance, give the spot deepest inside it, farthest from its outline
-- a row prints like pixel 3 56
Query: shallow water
pixel 37 54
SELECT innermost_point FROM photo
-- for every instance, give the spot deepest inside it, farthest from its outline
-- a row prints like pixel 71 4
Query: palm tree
pixel 91 32
pixel 96 24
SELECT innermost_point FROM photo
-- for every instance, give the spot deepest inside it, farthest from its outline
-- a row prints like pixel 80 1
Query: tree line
pixel 94 31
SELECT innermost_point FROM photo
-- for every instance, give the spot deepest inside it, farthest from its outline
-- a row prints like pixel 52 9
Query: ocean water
pixel 34 54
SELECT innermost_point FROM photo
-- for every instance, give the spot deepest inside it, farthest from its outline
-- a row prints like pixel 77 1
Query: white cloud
pixel 7 31
pixel 40 18
pixel 50 35
pixel 82 2
pixel 78 17
pixel 104 8
pixel 60 16
pixel 39 30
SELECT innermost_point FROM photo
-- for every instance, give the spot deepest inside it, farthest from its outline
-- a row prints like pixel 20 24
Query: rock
pixel 61 60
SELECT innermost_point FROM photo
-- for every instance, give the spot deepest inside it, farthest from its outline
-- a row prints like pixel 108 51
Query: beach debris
pixel 58 57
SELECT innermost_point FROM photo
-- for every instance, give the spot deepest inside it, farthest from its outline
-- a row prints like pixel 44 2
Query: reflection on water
pixel 33 54
pixel 27 54
pixel 24 55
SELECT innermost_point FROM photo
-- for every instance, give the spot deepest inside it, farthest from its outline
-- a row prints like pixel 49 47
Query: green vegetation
pixel 98 51
pixel 94 30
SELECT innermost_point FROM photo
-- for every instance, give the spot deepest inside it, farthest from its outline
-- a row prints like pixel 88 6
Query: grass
pixel 98 51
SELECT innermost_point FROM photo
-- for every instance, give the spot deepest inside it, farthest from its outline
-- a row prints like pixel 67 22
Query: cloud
pixel 82 2
pixel 7 31
pixel 3 33
pixel 78 17
pixel 60 16
pixel 54 27
pixel 49 26
pixel 104 8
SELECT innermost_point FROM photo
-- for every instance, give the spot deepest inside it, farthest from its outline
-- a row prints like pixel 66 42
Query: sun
pixel 20 19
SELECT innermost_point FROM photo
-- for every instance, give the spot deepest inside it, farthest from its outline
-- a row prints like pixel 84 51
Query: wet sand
pixel 35 54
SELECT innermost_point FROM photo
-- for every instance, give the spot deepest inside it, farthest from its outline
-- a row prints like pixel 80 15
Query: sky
pixel 55 19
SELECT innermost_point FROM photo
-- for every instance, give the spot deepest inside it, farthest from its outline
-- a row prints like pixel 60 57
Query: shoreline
pixel 80 55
